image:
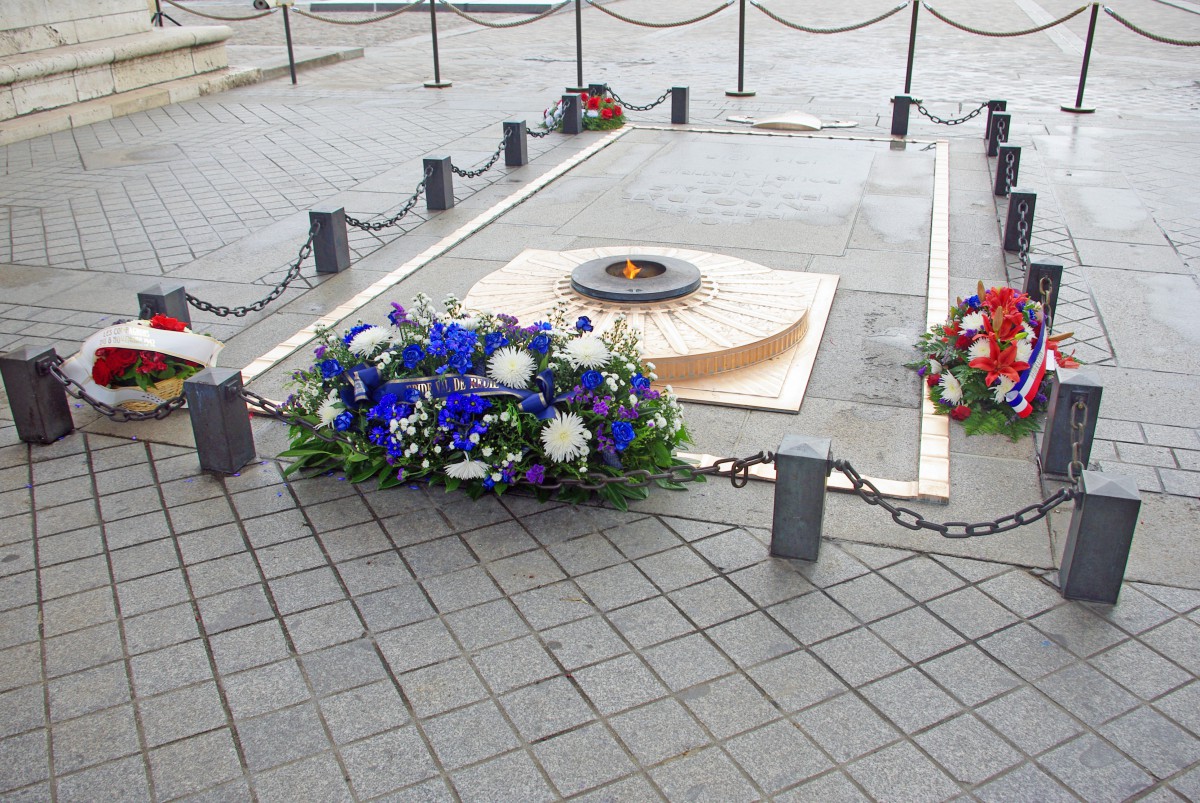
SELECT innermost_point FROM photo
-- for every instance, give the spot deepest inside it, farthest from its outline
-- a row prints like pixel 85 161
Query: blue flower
pixel 591 379
pixel 343 421
pixel 972 302
pixel 494 341
pixel 412 354
pixel 623 434
pixel 640 382
pixel 540 344
pixel 353 332
pixel 330 368
pixel 584 324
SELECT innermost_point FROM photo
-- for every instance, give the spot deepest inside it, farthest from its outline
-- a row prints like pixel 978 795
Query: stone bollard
pixel 37 400
pixel 331 243
pixel 597 90
pixel 1001 186
pixel 801 467
pixel 164 299
pixel 220 419
pixel 993 106
pixel 900 108
pixel 572 114
pixel 998 131
pixel 1059 436
pixel 680 105
pixel 1098 541
pixel 1033 285
pixel 439 187
pixel 516 146
pixel 1012 231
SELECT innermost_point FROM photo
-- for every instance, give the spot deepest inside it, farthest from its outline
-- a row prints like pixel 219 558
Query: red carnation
pixel 166 322
pixel 617 111
pixel 606 114
pixel 962 342
pixel 583 96
pixel 593 102
pixel 961 412
pixel 101 373
pixel 118 360
pixel 932 379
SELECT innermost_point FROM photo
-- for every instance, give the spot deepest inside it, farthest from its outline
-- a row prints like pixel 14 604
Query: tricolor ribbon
pixel 1029 381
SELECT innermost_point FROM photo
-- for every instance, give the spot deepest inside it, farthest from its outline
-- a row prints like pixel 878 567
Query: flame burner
pixel 656 278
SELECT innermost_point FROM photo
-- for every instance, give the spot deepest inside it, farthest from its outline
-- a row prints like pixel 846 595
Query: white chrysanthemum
pixel 328 411
pixel 1024 350
pixel 973 320
pixel 511 366
pixel 588 351
pixel 1002 389
pixel 951 388
pixel 564 437
pixel 980 348
pixel 368 340
pixel 467 470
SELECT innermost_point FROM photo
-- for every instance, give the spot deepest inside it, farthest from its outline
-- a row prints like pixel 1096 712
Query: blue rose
pixel 494 341
pixel 412 354
pixel 343 421
pixel 330 368
pixel 584 324
pixel 622 432
pixel 640 382
pixel 591 379
pixel 540 344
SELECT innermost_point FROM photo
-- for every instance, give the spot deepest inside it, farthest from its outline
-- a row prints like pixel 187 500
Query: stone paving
pixel 169 634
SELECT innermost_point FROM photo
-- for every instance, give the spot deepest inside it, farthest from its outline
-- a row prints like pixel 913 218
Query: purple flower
pixel 599 408
pixel 536 473
pixel 319 352
pixel 398 316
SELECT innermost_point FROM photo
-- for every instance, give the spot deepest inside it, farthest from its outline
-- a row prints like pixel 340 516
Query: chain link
pixel 120 415
pixel 367 21
pixel 222 19
pixel 631 107
pixel 957 121
pixel 293 272
pixel 842 29
pixel 513 24
pixel 1078 423
pixel 1166 40
pixel 1023 235
pixel 1002 34
pixel 1010 167
pixel 488 165
pixel 555 119
pixel 644 24
pixel 404 210
pixel 912 520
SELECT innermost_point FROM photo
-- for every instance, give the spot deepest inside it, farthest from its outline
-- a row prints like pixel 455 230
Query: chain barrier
pixel 369 20
pixel 644 24
pixel 404 210
pixel 737 469
pixel 631 107
pixel 222 19
pixel 551 127
pixel 843 29
pixel 1010 167
pixel 1023 235
pixel 1078 422
pixel 912 520
pixel 957 121
pixel 513 24
pixel 52 367
pixel 293 272
pixel 487 165
pixel 1002 34
pixel 1166 40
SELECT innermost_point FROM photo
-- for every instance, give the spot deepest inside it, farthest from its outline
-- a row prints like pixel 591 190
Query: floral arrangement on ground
pixel 482 403
pixel 116 367
pixel 599 114
pixel 989 365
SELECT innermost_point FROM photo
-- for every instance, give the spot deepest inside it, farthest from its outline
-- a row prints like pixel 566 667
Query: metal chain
pixel 488 165
pixel 644 24
pixel 404 210
pixel 1023 235
pixel 1046 287
pixel 223 19
pixel 369 20
pixel 1078 422
pixel 626 105
pixel 1002 34
pixel 958 121
pixel 293 272
pixel 277 412
pixel 842 29
pixel 120 415
pixel 514 24
pixel 550 129
pixel 1166 40
pixel 912 520
pixel 1010 166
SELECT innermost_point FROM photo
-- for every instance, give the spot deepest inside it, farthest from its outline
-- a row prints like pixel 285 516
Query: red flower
pixel 606 114
pixel 932 379
pixel 119 360
pixel 962 342
pixel 166 322
pixel 960 412
pixel 583 96
pixel 593 102
pixel 101 373
pixel 617 111
pixel 1000 363
pixel 151 361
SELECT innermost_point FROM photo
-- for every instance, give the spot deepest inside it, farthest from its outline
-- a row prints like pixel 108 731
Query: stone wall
pixel 31 25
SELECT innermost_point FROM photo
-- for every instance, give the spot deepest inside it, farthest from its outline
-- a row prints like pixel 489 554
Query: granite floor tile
pixel 315 778
pixel 233 609
pixel 1153 741
pixel 585 554
pixel 659 731
pixel 441 687
pixel 388 761
pixel 777 756
pixel 462 589
pixel 1022 593
pixel 83 649
pixel 1095 771
pixel 1141 670
pixel 125 779
pixel 687 661
pixel 916 634
pixel 194 764
pixel 394 607
pixel 181 713
pixel 900 771
pixel 619 684
pixel 641 538
pixel 616 586
pixel 514 663
pixel 470 734
pixel 1087 694
pixel 1179 640
pixel 511 778
pixel 94 739
pixel 247 647
pixel 487 624
pixel 771 582
pixel 650 622
pixel 708 776
pixel 553 605
pixel 1026 651
pixel 546 708
pixel 265 688
pixel 25 762
pixel 1026 782
pixel 675 568
pixel 261 740
pixel 796 681
pixel 922 578
pixel 971 613
pixel 711 602
pixel 1183 706
pixel 1076 628
pixel 1030 720
pixel 584 642
pixel 87 691
pixel 969 749
pixel 834 787
pixel 752 639
pixel 343 666
pixel 869 597
pixel 845 727
pixel 21 710
pixel 364 711
pixel 910 700
pixel 581 759
pixel 323 627
pixel 525 571
pixel 731 550
pixel 813 618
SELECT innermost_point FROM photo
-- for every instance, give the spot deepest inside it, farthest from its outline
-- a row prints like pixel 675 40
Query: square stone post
pixel 801 467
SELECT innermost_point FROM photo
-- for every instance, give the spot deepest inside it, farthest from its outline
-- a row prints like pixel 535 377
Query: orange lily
pixel 1000 363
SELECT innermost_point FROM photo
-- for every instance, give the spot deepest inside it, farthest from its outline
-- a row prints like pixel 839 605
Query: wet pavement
pixel 168 634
